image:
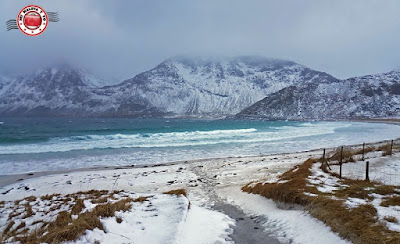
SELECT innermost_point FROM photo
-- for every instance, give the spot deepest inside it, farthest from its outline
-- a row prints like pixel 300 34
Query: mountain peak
pixel 66 72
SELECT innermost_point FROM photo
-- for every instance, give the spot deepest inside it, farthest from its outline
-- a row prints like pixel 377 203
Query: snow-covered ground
pixel 327 183
pixel 164 219
pixel 382 169
pixel 289 226
pixel 210 183
pixel 161 218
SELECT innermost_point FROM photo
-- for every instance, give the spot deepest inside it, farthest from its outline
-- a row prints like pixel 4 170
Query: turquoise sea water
pixel 28 145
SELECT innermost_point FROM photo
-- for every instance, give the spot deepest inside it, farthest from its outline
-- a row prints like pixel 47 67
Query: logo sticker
pixel 32 20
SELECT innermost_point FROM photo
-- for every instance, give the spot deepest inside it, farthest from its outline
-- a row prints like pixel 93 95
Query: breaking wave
pixel 172 139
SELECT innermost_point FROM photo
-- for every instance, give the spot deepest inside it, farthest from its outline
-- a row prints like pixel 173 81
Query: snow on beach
pixel 160 218
pixel 209 183
pixel 292 226
pixel 168 220
pixel 200 178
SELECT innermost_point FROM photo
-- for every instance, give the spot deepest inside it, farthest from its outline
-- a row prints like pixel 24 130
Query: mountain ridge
pixel 368 96
pixel 181 86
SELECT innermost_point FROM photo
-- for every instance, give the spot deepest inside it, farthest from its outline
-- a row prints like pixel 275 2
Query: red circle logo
pixel 32 20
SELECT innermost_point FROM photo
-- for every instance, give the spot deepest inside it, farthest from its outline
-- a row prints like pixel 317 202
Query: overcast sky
pixel 124 37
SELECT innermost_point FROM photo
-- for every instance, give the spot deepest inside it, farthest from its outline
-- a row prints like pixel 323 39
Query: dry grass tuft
pixel 63 219
pixel 366 150
pixel 355 189
pixel 93 193
pixel 49 197
pixel 77 208
pixel 30 199
pixel 8 227
pixel 70 230
pixel 385 149
pixel 177 192
pixel 20 226
pixel 141 199
pixel 65 228
pixel 109 209
pixel 287 192
pixel 391 201
pixel 100 200
pixel 391 219
pixel 359 225
pixel 384 190
pixel 347 155
pixel 28 210
pixel 119 220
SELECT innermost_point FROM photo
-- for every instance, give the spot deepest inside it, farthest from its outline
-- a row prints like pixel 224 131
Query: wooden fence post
pixel 391 148
pixel 363 152
pixel 367 172
pixel 340 163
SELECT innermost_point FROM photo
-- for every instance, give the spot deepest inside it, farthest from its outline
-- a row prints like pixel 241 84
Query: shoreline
pixel 6 180
pixel 212 185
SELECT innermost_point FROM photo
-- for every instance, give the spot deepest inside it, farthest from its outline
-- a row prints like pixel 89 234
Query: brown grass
pixel 8 228
pixel 67 229
pixel 385 149
pixel 141 199
pixel 30 199
pixel 109 209
pixel 359 225
pixel 28 211
pixel 93 193
pixel 391 219
pixel 77 208
pixel 391 201
pixel 20 226
pixel 356 189
pixel 49 197
pixel 14 214
pixel 290 191
pixel 119 220
pixel 64 228
pixel 347 155
pixel 366 150
pixel 100 200
pixel 384 190
pixel 177 192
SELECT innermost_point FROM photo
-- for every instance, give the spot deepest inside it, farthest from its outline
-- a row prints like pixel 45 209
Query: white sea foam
pixel 173 139
pixel 177 146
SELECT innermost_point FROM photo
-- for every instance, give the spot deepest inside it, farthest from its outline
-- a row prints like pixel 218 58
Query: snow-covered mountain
pixel 360 97
pixel 4 82
pixel 199 86
pixel 177 87
pixel 64 91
